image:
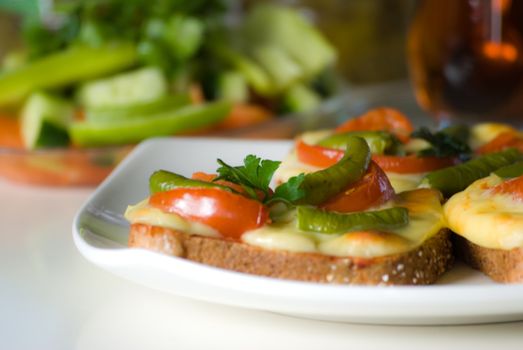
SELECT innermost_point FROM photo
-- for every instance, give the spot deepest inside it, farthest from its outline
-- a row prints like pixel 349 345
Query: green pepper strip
pixel 162 180
pixel 185 119
pixel 510 171
pixel 455 179
pixel 322 185
pixel 65 68
pixel 148 109
pixel 317 220
pixel 380 142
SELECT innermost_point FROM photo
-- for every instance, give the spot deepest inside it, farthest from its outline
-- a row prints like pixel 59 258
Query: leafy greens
pixel 255 176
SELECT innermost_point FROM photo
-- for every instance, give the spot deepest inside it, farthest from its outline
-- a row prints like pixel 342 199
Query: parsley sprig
pixel 448 142
pixel 255 176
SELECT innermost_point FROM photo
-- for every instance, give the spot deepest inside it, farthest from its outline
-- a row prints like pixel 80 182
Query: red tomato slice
pixel 324 157
pixel 513 187
pixel 387 119
pixel 230 214
pixel 243 115
pixel 199 175
pixel 507 139
pixel 412 164
pixel 315 155
pixel 371 190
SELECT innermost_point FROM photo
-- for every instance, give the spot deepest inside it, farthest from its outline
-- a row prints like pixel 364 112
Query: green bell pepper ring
pixel 185 119
pixel 322 221
pixel 65 68
pixel 510 171
pixel 455 179
pixel 322 185
pixel 162 180
pixel 380 142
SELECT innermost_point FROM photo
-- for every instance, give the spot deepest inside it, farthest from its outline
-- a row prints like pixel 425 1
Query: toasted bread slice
pixel 422 265
pixel 501 265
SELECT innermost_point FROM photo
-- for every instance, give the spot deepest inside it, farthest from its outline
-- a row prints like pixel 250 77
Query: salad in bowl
pixel 97 77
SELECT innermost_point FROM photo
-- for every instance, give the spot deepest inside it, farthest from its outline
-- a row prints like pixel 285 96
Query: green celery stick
pixel 64 68
pixel 180 120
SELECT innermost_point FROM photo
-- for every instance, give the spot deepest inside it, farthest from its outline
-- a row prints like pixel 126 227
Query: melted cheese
pixel 425 212
pixel 404 182
pixel 143 213
pixel 483 133
pixel 489 220
pixel 426 219
pixel 291 166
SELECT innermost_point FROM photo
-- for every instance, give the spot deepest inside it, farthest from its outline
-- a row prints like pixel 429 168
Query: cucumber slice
pixel 232 86
pixel 299 99
pixel 253 73
pixel 45 119
pixel 185 119
pixel 286 29
pixel 64 68
pixel 137 110
pixel 282 69
pixel 142 85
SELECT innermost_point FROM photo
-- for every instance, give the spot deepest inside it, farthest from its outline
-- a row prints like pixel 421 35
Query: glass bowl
pixel 60 167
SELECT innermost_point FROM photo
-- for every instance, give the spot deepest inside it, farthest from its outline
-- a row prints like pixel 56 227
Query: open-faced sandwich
pixel 404 154
pixel 488 220
pixel 340 224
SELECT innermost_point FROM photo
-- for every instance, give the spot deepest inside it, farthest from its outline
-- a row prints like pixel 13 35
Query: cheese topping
pixel 143 213
pixel 425 212
pixel 404 182
pixel 483 133
pixel 486 219
pixel 426 219
pixel 291 166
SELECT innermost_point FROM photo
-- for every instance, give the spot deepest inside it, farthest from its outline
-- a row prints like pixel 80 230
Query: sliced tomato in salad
pixel 10 135
pixel 384 119
pixel 371 190
pixel 229 213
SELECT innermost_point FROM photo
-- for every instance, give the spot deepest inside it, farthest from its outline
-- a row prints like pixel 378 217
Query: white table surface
pixel 52 298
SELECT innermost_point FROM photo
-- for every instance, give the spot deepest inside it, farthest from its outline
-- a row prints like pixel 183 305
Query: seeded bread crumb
pixel 423 265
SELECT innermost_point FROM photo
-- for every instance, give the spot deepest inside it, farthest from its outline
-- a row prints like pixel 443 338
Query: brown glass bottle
pixel 466 58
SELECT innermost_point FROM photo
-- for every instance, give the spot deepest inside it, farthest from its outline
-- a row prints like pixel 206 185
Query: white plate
pixel 100 233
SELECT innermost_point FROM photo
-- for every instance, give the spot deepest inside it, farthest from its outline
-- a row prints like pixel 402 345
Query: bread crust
pixel 422 265
pixel 501 265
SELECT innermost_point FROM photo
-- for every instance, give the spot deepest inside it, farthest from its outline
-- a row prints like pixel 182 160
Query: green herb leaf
pixel 290 191
pixel 255 174
pixel 445 143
